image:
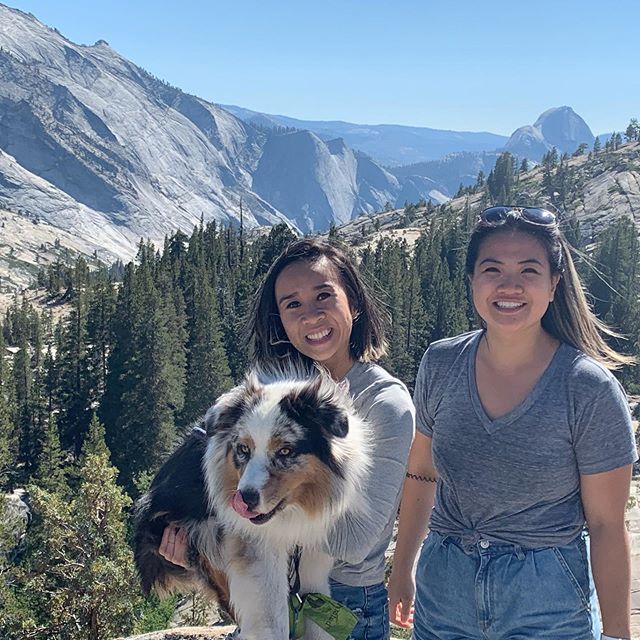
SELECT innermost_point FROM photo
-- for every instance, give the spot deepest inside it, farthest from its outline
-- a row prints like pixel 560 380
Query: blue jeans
pixel 370 604
pixel 487 591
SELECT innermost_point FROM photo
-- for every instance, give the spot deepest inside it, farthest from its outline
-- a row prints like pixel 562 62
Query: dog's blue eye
pixel 285 452
pixel 242 450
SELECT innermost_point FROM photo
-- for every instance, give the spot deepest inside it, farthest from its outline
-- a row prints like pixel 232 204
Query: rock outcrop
pixel 560 127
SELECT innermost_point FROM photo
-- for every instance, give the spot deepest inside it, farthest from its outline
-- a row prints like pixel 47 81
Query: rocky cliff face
pixel 86 127
pixel 98 147
pixel 332 183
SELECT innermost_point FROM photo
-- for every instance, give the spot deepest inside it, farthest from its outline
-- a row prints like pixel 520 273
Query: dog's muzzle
pixel 242 509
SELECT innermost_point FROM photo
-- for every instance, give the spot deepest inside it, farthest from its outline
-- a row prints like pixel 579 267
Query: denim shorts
pixel 370 604
pixel 489 591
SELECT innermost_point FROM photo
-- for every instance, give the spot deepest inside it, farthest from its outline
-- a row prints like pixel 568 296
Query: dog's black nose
pixel 251 498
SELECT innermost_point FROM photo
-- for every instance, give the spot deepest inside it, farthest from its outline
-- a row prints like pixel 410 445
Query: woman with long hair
pixel 523 438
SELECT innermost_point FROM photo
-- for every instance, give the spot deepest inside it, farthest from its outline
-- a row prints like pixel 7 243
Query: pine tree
pixel 615 287
pixel 208 372
pixel 38 393
pixel 7 432
pixel 550 158
pixel 23 408
pixel 391 272
pixel 581 149
pixel 417 323
pixel 79 566
pixel 174 321
pixel 271 247
pixel 50 376
pixel 633 130
pixel 145 387
pixel 562 182
pixel 54 277
pixel 597 146
pixel 501 179
pixel 100 310
pixel 572 231
pixel 74 377
pixel 440 262
pixel 50 469
pixel 122 371
pixel 549 164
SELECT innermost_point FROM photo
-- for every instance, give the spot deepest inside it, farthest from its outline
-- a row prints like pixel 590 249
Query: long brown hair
pixel 267 337
pixel 569 317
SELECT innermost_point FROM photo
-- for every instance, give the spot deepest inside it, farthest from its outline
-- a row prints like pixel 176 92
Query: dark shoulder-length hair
pixel 267 338
pixel 569 317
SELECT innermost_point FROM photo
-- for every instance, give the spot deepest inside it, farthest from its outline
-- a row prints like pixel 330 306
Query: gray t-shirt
pixel 359 543
pixel 516 479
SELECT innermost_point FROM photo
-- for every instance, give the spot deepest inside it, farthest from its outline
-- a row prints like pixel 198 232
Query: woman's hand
pixel 417 501
pixel 173 546
pixel 402 590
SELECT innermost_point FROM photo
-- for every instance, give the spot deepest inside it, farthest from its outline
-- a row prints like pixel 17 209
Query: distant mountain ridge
pixel 449 172
pixel 387 144
pixel 560 127
pixel 603 188
pixel 442 159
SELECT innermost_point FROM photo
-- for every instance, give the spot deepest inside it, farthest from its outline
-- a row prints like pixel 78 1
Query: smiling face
pixel 512 283
pixel 315 313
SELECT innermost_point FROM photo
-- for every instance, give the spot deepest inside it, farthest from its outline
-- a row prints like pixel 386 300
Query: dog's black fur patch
pixel 176 494
pixel 235 404
pixel 319 418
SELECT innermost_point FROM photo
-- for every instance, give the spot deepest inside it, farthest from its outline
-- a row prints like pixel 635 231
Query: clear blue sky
pixel 464 65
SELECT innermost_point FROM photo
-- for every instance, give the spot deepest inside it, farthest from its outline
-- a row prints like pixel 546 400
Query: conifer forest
pixel 97 386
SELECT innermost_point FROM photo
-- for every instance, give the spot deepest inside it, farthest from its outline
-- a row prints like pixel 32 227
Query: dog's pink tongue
pixel 240 507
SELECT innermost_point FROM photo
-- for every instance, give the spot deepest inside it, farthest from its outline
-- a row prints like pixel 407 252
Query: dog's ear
pixel 228 409
pixel 252 384
pixel 315 407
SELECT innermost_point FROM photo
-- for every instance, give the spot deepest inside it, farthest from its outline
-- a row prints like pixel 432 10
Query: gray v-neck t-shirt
pixel 516 479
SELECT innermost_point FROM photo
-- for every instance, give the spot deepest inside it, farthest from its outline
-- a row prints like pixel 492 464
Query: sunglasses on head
pixel 533 215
